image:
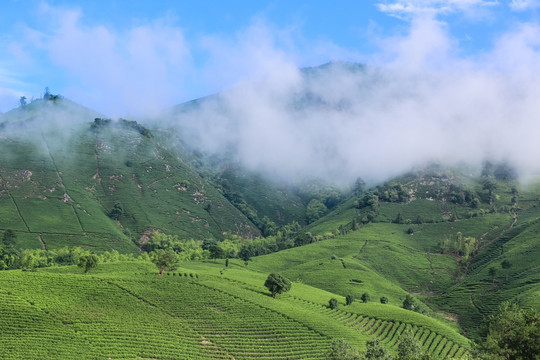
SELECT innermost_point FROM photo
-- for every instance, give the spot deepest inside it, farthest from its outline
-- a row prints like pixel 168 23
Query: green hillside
pixel 126 310
pixel 434 251
pixel 62 173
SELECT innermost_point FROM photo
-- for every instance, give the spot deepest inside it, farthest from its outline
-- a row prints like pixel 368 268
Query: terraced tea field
pixel 125 310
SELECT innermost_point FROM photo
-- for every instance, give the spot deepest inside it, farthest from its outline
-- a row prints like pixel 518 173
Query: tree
pixel 490 186
pixel 409 348
pixel 398 219
pixel 216 252
pixel 375 351
pixel 268 227
pixel 245 254
pixel 384 300
pixel 506 265
pixel 349 299
pixel 315 210
pixel 22 101
pixel 277 284
pixel 165 260
pixel 511 334
pixel 333 303
pixel 88 262
pixel 408 303
pixel 365 297
pixel 116 211
pixel 492 273
pixel 359 186
pixel 10 238
pixel 340 350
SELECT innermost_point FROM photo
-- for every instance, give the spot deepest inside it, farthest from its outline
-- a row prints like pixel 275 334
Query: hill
pixel 70 177
pixel 391 247
pixel 126 310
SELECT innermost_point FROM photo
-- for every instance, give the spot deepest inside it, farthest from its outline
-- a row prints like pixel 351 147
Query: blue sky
pixel 131 57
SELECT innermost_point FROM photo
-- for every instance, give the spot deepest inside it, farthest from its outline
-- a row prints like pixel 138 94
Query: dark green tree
pixel 333 303
pixel 408 303
pixel 22 101
pixel 511 334
pixel 9 238
pixel 245 254
pixel 384 300
pixel 277 284
pixel 506 265
pixel 165 260
pixel 409 348
pixel 349 299
pixel 216 252
pixel 375 351
pixel 304 239
pixel 88 262
pixel 492 273
pixel 365 297
pixel 340 350
pixel 268 227
pixel 315 210
pixel 116 211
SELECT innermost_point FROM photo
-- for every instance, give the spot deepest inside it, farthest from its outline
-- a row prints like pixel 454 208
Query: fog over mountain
pixel 417 101
pixel 418 98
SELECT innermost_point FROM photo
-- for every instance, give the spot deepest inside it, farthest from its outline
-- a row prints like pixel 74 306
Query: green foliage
pixel 315 210
pixel 409 348
pixel 375 351
pixel 383 300
pixel 9 238
pixel 88 262
pixel 277 284
pixel 116 212
pixel 365 298
pixel 341 350
pixel 408 303
pixel 512 333
pixel 333 303
pixel 165 260
pixel 349 299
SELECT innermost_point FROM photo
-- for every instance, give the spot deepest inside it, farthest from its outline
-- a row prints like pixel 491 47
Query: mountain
pixel 433 251
pixel 70 177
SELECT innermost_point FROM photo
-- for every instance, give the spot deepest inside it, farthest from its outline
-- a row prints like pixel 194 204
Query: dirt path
pixel 42 242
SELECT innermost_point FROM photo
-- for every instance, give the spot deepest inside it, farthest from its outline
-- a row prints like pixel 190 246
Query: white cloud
pixel 421 102
pixel 411 8
pixel 523 5
pixel 137 70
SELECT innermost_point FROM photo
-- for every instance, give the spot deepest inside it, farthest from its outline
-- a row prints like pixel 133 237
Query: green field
pixel 126 310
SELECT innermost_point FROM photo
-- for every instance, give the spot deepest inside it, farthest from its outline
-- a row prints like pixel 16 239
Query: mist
pixel 416 101
pixel 417 98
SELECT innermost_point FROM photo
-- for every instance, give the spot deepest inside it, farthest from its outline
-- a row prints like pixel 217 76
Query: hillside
pixel 63 174
pixel 408 247
pixel 126 310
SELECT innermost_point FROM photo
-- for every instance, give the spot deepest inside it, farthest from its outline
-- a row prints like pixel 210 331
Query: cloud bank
pixel 418 101
pixel 418 98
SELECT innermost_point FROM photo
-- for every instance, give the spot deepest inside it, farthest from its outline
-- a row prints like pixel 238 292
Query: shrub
pixel 365 297
pixel 349 299
pixel 333 303
pixel 384 300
